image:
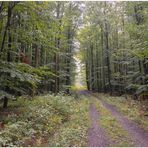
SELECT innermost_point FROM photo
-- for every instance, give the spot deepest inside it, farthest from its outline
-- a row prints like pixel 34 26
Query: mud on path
pixel 96 135
pixel 137 134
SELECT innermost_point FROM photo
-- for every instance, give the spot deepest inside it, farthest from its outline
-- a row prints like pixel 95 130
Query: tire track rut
pixel 96 135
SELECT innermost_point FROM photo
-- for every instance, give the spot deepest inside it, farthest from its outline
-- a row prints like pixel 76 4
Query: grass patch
pixel 132 109
pixel 34 122
pixel 118 136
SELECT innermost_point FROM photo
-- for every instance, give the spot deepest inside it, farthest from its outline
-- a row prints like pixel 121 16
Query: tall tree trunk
pixel 92 68
pixel 57 70
pixel 9 13
pixel 108 56
pixel 145 69
pixel 98 70
pixel 103 60
pixel 9 46
pixel 36 56
pixel 57 42
pixel 68 60
pixel 1 6
pixel 106 38
pixel 87 75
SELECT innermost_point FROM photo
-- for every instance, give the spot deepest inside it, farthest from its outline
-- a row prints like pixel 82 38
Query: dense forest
pixel 49 51
pixel 114 43
pixel 37 42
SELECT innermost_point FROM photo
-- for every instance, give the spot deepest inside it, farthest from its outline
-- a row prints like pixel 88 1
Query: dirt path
pixel 96 135
pixel 138 135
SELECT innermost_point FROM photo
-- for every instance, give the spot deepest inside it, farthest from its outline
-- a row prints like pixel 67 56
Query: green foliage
pixel 12 136
pixel 138 84
pixel 15 81
pixel 124 24
pixel 11 78
pixel 74 132
pixel 41 117
pixel 22 79
pixel 142 89
pixel 4 94
pixel 38 31
pixel 43 74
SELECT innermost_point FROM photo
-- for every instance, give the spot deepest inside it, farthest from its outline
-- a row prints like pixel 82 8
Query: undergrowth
pixel 74 132
pixel 27 121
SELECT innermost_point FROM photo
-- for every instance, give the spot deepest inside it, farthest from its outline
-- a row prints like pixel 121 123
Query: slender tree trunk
pixel 57 70
pixel 36 56
pixel 9 9
pixel 4 36
pixel 5 104
pixel 68 60
pixel 92 67
pixel 57 42
pixel 1 6
pixel 87 75
pixel 108 57
pixel 9 46
pixel 98 71
pixel 145 69
pixel 103 60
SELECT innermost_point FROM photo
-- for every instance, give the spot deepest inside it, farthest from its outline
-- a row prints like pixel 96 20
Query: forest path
pixel 138 135
pixel 96 135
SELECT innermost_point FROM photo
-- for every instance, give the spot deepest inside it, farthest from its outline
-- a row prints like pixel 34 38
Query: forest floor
pixel 83 119
pixel 45 120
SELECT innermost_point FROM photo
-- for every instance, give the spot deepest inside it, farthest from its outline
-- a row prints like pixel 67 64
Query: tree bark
pixel 5 104
pixel 9 46
pixel 106 38
pixel 8 24
pixel 68 60
pixel 36 56
pixel 57 42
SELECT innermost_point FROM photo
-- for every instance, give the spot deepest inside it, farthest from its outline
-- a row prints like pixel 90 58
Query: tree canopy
pixel 38 41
